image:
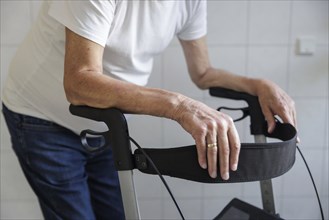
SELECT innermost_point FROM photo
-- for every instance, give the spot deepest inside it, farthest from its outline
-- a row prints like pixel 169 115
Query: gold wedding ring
pixel 212 145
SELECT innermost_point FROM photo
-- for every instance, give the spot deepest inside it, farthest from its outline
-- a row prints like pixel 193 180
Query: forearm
pixel 101 91
pixel 205 76
pixel 221 78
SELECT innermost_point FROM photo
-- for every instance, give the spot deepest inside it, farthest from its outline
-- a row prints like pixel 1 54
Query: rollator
pixel 259 161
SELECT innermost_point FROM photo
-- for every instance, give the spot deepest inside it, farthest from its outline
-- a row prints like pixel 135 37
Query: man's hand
pixel 215 136
pixel 274 101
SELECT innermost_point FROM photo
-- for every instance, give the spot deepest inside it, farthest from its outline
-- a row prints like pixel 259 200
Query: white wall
pixel 255 38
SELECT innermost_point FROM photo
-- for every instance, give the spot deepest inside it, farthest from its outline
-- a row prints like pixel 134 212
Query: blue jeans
pixel 69 182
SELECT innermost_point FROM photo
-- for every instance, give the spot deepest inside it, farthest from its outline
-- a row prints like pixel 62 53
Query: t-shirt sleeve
pixel 196 25
pixel 90 19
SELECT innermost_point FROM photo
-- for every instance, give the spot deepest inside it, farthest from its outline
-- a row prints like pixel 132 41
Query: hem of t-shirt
pixel 194 36
pixel 24 110
pixel 87 35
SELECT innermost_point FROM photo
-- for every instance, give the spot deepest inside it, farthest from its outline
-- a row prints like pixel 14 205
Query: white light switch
pixel 306 45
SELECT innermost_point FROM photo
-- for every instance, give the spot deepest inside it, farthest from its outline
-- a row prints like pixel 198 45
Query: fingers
pixel 201 149
pixel 223 148
pixel 224 154
pixel 235 146
pixel 269 117
pixel 284 109
pixel 229 149
pixel 212 153
pixel 286 113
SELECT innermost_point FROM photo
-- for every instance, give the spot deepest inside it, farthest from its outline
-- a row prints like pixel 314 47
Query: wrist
pixel 175 106
pixel 181 106
pixel 255 85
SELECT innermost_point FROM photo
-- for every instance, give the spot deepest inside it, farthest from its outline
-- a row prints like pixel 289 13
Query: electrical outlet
pixel 306 45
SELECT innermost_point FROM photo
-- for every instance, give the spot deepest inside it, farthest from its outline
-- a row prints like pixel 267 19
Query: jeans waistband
pixel 25 118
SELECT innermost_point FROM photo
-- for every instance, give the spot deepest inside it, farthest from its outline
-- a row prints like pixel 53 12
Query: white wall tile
pixel 325 174
pixel 148 186
pixel 308 75
pixel 175 73
pixel 229 58
pixel 191 209
pixel 222 190
pixel 150 208
pixel 146 130
pixel 303 208
pixel 310 122
pixel 269 22
pixel 170 211
pixel 297 181
pixel 20 209
pixel 15 21
pixel 5 145
pixel 270 63
pixel 326 122
pixel 310 18
pixel 184 189
pixel 325 206
pixel 227 22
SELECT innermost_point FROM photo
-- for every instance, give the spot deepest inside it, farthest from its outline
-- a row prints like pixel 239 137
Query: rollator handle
pixel 118 135
pixel 258 123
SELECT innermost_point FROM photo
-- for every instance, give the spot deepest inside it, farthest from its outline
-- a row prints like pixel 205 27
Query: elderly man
pixel 100 54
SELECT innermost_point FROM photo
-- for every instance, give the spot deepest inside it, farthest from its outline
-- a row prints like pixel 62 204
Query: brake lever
pixel 245 112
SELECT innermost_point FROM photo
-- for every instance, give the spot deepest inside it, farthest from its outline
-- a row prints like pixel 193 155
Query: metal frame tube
pixel 129 196
pixel 266 185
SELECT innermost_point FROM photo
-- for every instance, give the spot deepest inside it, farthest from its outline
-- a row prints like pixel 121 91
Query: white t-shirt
pixel 131 32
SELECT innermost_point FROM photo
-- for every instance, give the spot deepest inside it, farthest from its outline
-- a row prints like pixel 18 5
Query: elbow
pixel 71 98
pixel 201 80
pixel 200 85
pixel 71 92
